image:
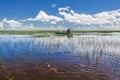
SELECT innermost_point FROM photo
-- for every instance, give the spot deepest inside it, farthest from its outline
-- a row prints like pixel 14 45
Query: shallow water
pixel 80 57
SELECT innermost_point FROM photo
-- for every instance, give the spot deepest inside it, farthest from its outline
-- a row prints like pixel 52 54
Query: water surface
pixel 77 57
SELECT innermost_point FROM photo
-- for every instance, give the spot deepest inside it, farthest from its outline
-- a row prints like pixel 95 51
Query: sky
pixel 59 14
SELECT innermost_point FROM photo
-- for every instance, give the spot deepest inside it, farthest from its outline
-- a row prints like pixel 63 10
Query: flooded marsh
pixel 69 57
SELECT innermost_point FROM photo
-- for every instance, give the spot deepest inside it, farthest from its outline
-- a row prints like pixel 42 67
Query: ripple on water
pixel 85 57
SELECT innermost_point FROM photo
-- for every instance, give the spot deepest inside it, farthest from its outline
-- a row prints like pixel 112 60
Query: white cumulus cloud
pixel 9 24
pixel 13 23
pixel 1 23
pixel 108 17
pixel 66 18
pixel 53 22
pixel 43 17
pixel 64 8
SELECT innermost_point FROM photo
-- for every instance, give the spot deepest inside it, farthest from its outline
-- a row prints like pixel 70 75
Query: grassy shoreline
pixel 31 32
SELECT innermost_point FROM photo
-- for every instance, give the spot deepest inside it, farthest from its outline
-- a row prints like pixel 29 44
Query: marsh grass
pixel 32 32
pixel 80 54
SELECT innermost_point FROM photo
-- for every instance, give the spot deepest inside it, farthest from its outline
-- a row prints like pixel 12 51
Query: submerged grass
pixel 5 71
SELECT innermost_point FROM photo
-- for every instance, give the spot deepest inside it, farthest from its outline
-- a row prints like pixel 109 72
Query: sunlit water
pixel 89 54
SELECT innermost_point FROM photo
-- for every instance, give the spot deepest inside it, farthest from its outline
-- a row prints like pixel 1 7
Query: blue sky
pixel 24 13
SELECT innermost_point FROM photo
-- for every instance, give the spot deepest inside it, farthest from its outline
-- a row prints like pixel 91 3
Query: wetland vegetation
pixel 43 55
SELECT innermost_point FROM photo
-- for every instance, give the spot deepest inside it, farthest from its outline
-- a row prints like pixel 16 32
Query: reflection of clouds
pixel 89 47
pixel 108 44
